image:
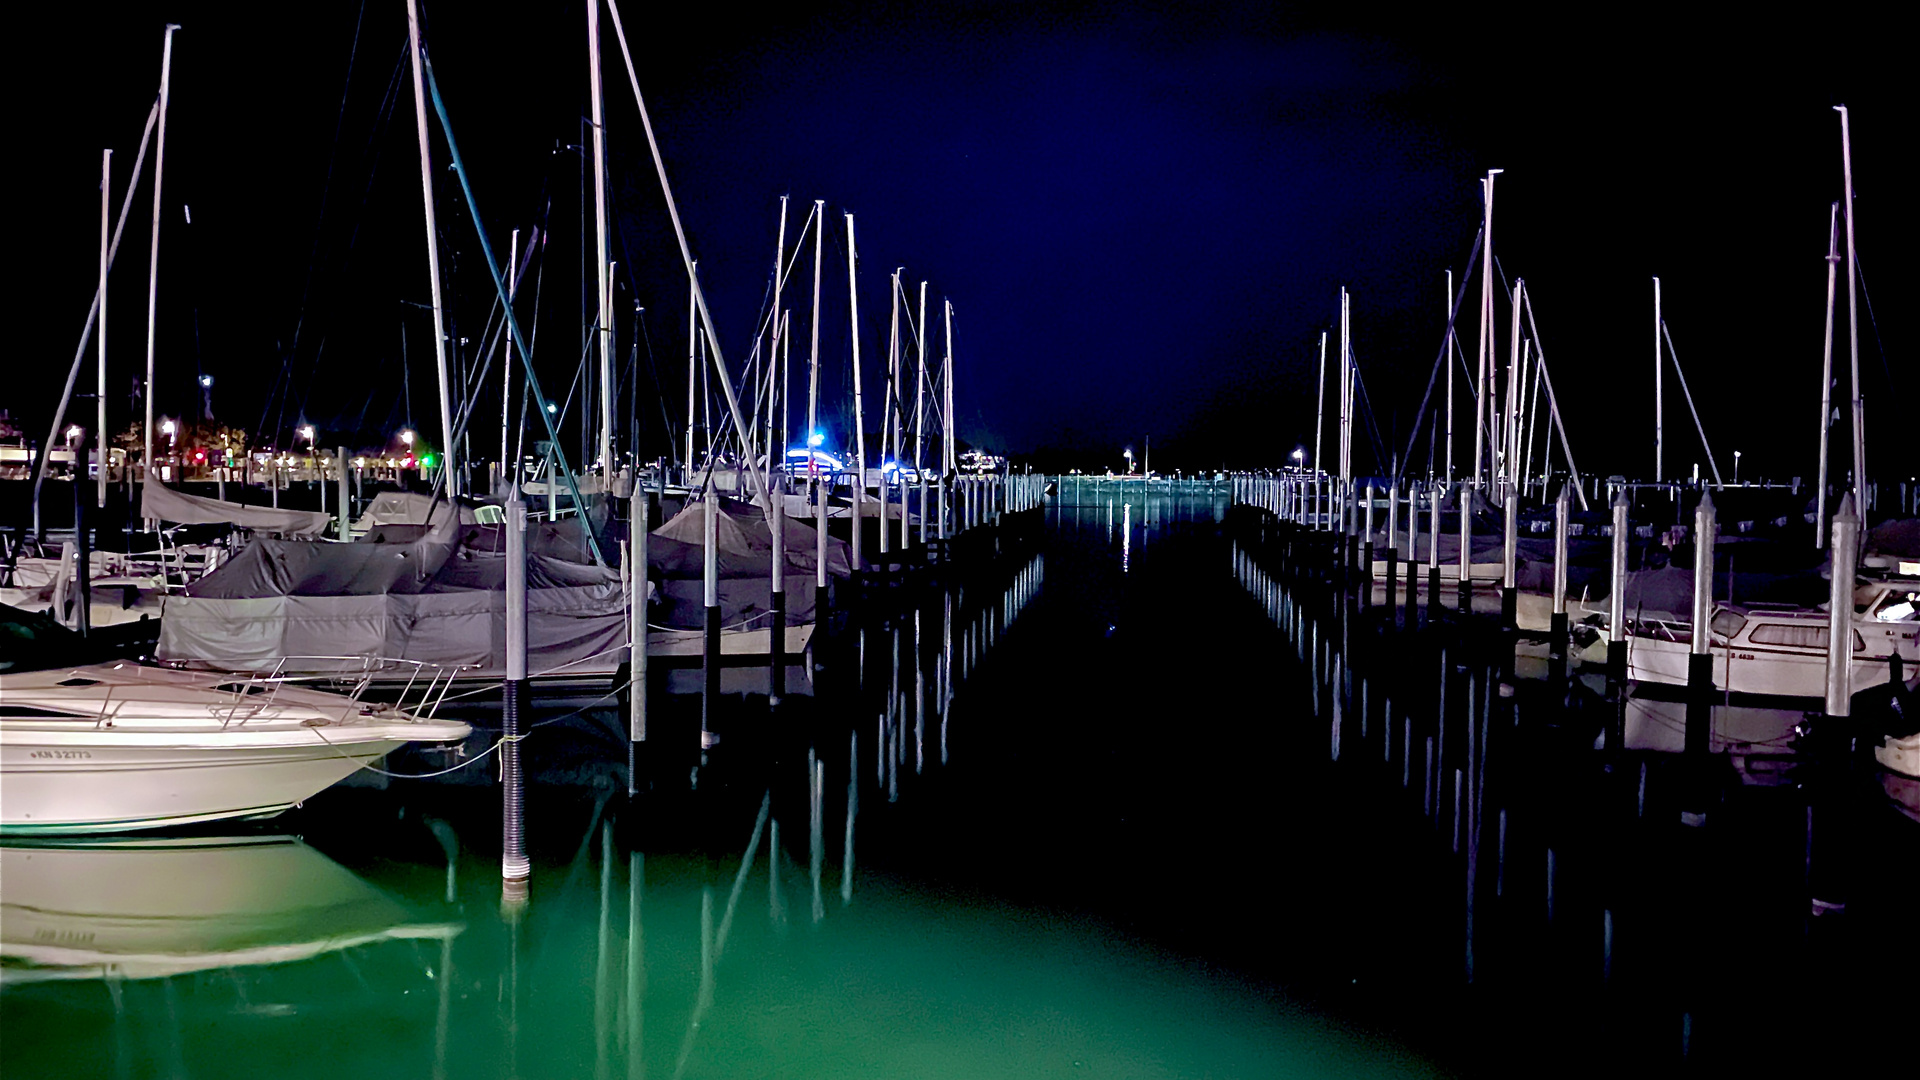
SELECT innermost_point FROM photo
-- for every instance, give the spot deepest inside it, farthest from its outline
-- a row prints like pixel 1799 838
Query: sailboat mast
pixel 1482 414
pixel 1346 394
pixel 153 248
pixel 1659 392
pixel 1320 407
pixel 859 413
pixel 506 364
pixel 946 424
pixel 1510 470
pixel 813 353
pixel 778 329
pixel 693 362
pixel 1853 323
pixel 604 322
pixel 100 340
pixel 433 249
pixel 1826 380
pixel 920 383
pixel 1453 354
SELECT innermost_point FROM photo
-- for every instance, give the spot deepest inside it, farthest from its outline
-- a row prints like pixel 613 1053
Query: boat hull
pixel 76 786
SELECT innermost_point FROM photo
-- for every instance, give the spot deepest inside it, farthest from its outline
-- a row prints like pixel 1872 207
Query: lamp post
pixel 169 429
pixel 1736 468
pixel 1299 457
pixel 1128 453
pixel 206 397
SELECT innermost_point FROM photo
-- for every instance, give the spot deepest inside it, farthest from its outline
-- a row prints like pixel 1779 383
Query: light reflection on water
pixel 620 964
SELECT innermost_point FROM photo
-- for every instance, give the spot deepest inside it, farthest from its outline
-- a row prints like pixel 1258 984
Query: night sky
pixel 1141 213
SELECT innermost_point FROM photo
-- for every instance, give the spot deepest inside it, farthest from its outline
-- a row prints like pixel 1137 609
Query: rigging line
pixel 1553 403
pixel 490 339
pixel 1697 426
pixel 666 422
pixel 759 483
pixel 333 158
pixel 633 283
pixel 500 288
pixel 533 343
pixel 326 195
pixel 1861 272
pixel 1446 343
pixel 1373 426
pixel 93 313
pixel 767 302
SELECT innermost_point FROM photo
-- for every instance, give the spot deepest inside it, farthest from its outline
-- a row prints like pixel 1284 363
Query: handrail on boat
pixel 427 705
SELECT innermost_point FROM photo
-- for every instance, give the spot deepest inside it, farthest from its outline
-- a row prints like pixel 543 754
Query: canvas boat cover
pixel 159 502
pixel 436 600
pixel 409 508
pixel 676 559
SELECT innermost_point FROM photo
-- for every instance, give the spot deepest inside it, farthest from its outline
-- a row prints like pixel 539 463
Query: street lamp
pixel 1128 454
pixel 1736 468
pixel 1299 457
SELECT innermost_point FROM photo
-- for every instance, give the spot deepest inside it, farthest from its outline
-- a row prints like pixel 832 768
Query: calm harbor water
pixel 1133 800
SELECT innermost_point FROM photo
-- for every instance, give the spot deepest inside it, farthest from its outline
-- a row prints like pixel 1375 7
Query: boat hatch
pixel 77 681
pixel 31 712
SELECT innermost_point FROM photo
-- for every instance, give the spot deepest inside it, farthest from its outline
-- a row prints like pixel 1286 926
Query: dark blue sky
pixel 1142 213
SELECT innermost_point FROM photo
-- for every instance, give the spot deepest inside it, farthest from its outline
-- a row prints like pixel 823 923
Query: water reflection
pixel 1576 825
pixel 120 955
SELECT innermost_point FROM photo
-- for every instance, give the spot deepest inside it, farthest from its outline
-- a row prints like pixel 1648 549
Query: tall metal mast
pixel 153 249
pixel 1853 324
pixel 433 250
pixel 1826 380
pixel 604 322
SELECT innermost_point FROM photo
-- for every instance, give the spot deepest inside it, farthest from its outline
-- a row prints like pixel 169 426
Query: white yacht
pixel 1781 651
pixel 118 746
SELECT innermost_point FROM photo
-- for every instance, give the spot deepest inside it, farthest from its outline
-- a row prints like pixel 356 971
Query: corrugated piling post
pixel 1464 590
pixel 340 461
pixel 710 640
pixel 1562 509
pixel 514 865
pixel 1365 563
pixel 1353 526
pixel 820 551
pixel 82 546
pixel 1366 535
pixel 1846 545
pixel 637 633
pixel 1434 497
pixel 1699 734
pixel 1617 595
pixel 1509 562
pixel 1393 546
pixel 1413 551
pixel 777 587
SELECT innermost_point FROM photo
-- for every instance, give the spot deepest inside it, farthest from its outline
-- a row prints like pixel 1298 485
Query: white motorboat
pixel 1781 651
pixel 112 747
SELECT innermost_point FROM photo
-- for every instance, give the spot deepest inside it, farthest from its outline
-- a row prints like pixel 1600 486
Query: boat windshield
pixel 1728 624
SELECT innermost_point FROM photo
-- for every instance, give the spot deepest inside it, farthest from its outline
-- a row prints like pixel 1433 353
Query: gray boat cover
pixel 436 600
pixel 159 502
pixel 676 559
